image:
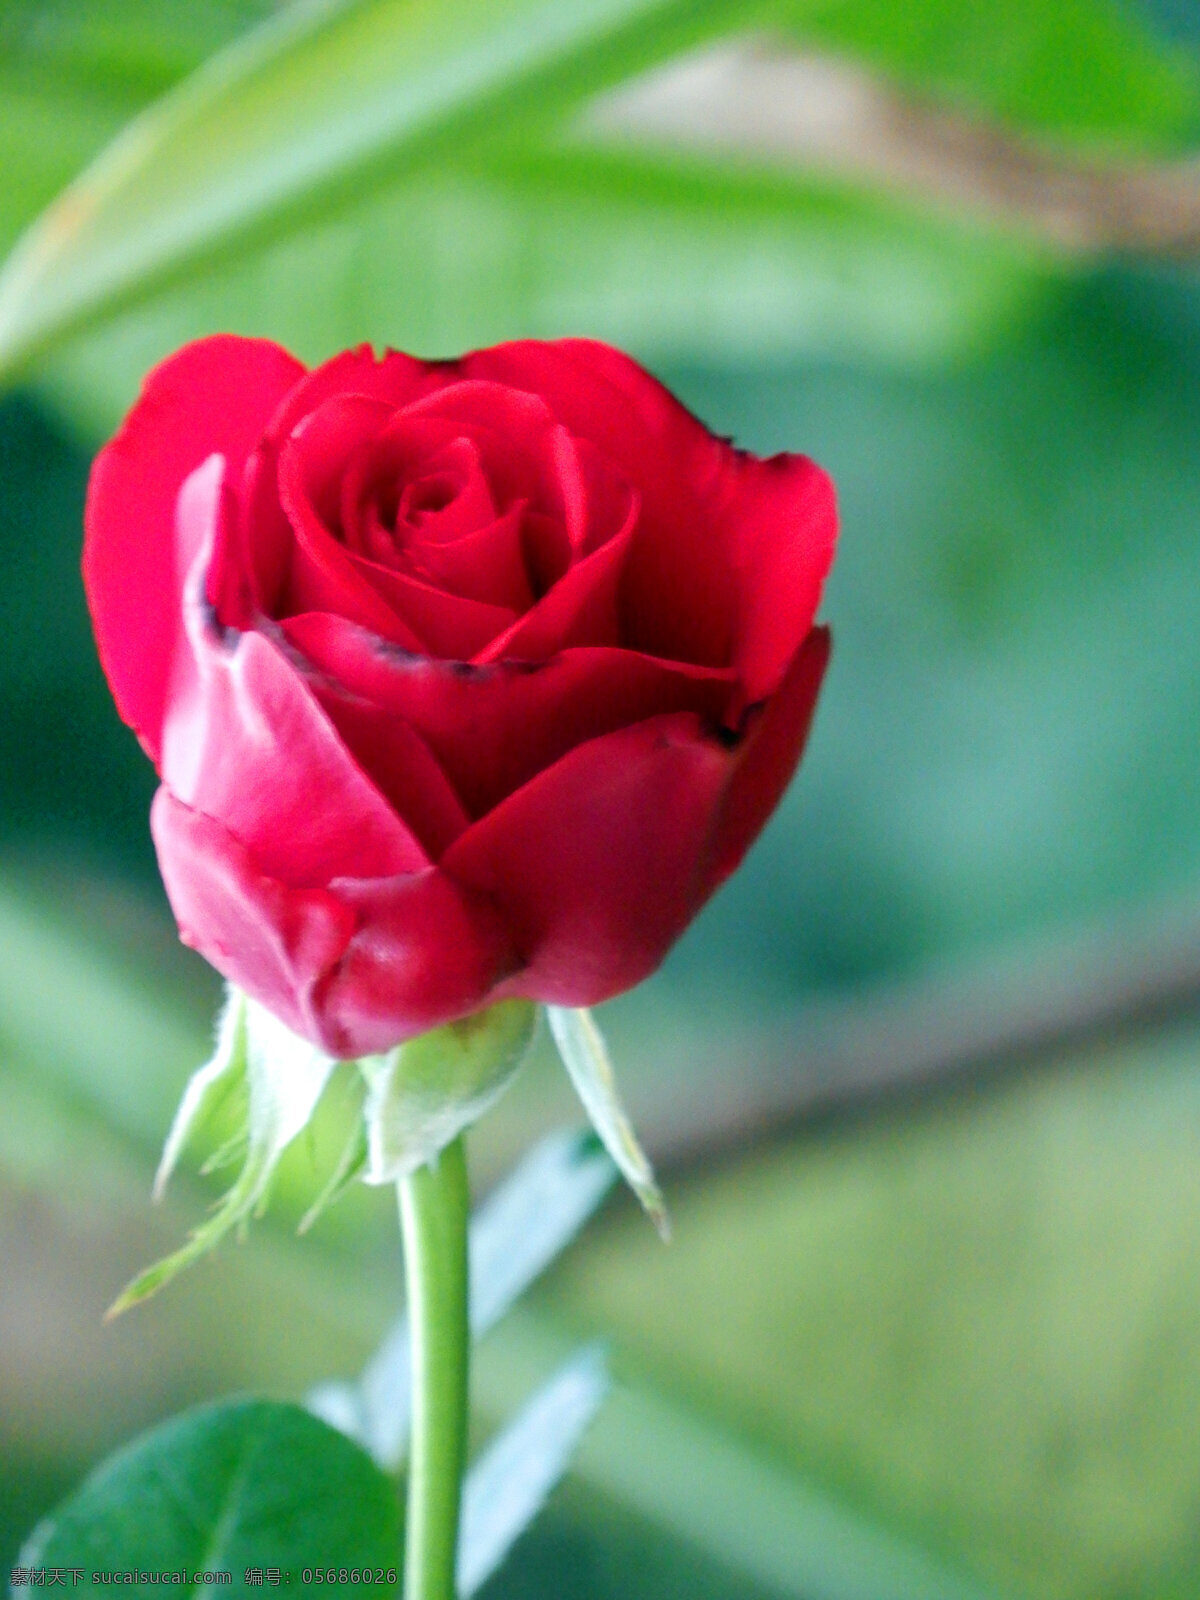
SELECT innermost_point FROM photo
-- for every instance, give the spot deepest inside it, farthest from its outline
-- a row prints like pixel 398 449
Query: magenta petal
pixel 599 862
pixel 213 397
pixel 245 742
pixel 427 951
pixel 275 942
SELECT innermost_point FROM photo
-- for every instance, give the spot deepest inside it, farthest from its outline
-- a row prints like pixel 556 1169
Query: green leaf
pixel 71 76
pixel 1088 71
pixel 422 1095
pixel 285 1076
pixel 531 1218
pixel 668 265
pixel 581 1046
pixel 323 102
pixel 290 118
pixel 227 1488
pixel 692 1479
pixel 515 1235
pixel 508 1485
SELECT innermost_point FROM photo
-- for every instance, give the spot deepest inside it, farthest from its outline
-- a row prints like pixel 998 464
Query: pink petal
pixel 245 742
pixel 212 397
pixel 274 941
pixel 357 967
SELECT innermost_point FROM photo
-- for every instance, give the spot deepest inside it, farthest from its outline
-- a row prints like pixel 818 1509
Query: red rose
pixel 465 679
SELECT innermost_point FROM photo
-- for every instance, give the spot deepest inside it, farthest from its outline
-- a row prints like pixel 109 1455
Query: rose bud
pixel 465 680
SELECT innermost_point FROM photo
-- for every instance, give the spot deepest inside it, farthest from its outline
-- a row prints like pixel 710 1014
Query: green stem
pixel 434 1206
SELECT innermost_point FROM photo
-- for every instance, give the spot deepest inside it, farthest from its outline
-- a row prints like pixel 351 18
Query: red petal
pixel 487 564
pixel 494 728
pixel 581 609
pixel 394 380
pixel 766 759
pixel 447 625
pixel 324 575
pixel 783 528
pixel 245 742
pixel 679 593
pixel 214 396
pixel 600 862
pixel 393 377
pixel 513 433
pixel 731 552
pixel 427 952
pixel 401 766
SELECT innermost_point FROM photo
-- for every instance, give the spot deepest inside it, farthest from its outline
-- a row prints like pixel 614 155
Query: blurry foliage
pixel 972 1324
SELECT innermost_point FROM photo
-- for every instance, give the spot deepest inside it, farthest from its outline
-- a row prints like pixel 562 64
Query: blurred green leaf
pixel 670 265
pixel 227 1487
pixel 309 104
pixel 71 76
pixel 102 1039
pixel 507 1487
pixel 322 103
pixel 1085 71
pixel 975 1316
pixel 695 1481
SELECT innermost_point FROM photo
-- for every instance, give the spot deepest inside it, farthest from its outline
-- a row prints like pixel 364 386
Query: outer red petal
pixel 766 759
pixel 356 967
pixel 600 862
pixel 782 530
pixel 216 395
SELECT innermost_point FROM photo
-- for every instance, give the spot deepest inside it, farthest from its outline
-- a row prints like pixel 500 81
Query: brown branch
pixel 809 112
pixel 928 1033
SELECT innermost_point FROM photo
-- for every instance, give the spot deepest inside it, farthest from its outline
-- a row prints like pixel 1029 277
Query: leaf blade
pixel 295 113
pixel 204 1492
pixel 509 1484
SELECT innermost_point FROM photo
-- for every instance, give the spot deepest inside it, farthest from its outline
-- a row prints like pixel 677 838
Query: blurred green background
pixel 924 1080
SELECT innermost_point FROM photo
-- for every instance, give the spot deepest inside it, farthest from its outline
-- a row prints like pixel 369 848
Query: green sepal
pixel 585 1056
pixel 284 1077
pixel 422 1094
